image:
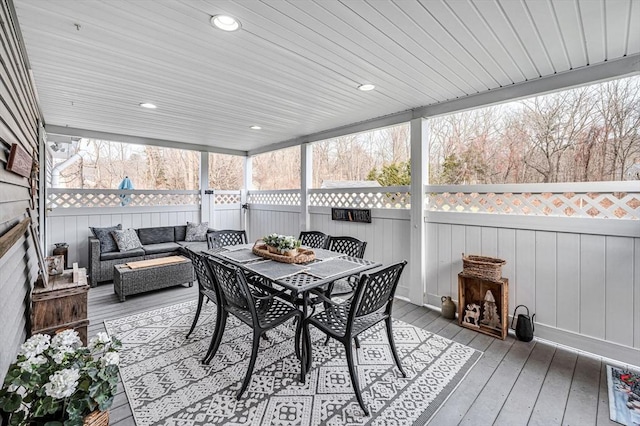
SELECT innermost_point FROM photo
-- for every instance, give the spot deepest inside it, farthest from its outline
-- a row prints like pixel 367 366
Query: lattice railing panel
pixel 284 198
pixel 613 205
pixel 98 198
pixel 379 199
pixel 227 198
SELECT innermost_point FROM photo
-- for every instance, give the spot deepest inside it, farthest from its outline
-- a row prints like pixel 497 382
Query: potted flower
pixel 57 381
pixel 282 244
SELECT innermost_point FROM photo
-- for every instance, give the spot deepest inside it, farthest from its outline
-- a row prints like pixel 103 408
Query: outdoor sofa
pixel 156 242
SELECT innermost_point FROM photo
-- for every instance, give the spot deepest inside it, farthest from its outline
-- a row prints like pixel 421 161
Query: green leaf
pixel 53 423
pixel 11 403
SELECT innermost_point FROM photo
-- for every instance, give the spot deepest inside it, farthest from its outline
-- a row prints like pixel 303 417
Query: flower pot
pixel 290 253
pixel 273 250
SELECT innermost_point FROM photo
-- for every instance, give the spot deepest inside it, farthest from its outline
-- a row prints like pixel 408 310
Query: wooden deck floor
pixel 514 383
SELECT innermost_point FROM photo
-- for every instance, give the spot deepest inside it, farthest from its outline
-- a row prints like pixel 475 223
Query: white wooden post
pixel 306 180
pixel 205 201
pixel 247 185
pixel 419 177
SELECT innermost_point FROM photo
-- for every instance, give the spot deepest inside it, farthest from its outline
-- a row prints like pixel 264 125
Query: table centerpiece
pixel 282 248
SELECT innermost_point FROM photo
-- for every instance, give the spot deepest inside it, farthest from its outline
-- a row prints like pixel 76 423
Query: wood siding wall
pixel 19 120
pixel 266 219
pixel 72 225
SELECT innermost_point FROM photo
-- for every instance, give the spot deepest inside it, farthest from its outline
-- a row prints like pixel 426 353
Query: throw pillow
pixel 126 239
pixel 107 243
pixel 197 232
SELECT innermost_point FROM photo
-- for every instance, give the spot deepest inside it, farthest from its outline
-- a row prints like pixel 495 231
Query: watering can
pixel 524 327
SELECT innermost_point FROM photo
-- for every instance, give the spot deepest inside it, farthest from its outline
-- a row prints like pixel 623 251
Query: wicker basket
pixel 489 268
pixel 302 256
pixel 96 418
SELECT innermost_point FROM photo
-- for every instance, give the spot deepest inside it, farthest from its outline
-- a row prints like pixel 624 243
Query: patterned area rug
pixel 168 385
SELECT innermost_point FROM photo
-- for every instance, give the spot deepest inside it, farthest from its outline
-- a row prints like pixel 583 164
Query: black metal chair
pixel 314 239
pixel 351 247
pixel 258 307
pixel 371 303
pixel 208 288
pixel 226 237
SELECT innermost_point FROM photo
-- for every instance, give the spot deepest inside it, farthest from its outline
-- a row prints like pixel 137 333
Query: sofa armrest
pixel 94 260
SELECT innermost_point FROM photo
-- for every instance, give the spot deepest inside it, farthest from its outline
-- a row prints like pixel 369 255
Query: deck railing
pixel 76 198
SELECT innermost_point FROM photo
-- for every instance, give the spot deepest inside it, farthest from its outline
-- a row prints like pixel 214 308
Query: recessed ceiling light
pixel 366 87
pixel 148 105
pixel 225 22
pixel 254 127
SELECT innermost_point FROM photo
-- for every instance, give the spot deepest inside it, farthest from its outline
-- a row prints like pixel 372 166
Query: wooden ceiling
pixel 294 67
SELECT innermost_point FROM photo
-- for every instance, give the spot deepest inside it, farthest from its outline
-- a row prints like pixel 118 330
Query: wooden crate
pixel 61 305
pixel 473 290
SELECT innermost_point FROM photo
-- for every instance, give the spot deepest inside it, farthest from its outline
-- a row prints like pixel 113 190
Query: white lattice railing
pixel 285 197
pixel 73 198
pixel 612 200
pixel 391 197
pixel 224 197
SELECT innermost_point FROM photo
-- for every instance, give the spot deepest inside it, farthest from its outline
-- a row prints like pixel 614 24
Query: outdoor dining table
pixel 300 279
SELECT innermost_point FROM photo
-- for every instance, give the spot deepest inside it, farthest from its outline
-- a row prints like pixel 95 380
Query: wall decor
pixel 13 235
pixel 20 161
pixel 351 215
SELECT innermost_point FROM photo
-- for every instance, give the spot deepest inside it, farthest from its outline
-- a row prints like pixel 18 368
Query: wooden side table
pixel 483 305
pixel 62 304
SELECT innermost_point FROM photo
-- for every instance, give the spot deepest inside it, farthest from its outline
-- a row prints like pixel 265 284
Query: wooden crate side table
pixel 477 311
pixel 62 304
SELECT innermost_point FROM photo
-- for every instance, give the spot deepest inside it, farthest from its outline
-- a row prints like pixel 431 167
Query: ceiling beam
pixel 138 140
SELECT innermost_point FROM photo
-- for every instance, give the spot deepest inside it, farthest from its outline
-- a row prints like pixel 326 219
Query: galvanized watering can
pixel 524 327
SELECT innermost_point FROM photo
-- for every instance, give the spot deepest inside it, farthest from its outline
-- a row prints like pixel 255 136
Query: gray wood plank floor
pixel 514 383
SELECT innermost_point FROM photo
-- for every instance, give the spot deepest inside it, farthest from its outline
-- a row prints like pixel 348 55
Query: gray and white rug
pixel 168 385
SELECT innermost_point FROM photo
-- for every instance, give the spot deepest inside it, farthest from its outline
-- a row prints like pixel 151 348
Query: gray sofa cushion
pixel 197 231
pixel 180 232
pixel 122 254
pixel 164 234
pixel 160 248
pixel 107 243
pixel 127 239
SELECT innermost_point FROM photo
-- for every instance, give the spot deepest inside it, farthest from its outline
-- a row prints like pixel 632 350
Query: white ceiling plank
pixel 517 13
pixel 469 41
pixel 572 32
pixel 496 19
pixel 633 38
pixel 593 22
pixel 546 22
pixel 617 26
pixel 488 40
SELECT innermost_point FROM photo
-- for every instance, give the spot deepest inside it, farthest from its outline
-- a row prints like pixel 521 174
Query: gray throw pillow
pixel 126 239
pixel 196 232
pixel 107 243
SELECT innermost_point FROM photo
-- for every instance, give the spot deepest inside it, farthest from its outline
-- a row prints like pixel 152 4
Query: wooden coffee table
pixel 134 279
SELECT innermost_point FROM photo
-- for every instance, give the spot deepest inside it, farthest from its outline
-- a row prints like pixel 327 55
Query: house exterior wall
pixel 19 124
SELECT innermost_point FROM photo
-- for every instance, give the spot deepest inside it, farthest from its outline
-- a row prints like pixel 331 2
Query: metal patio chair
pixel 226 237
pixel 371 303
pixel 314 239
pixel 207 287
pixel 258 307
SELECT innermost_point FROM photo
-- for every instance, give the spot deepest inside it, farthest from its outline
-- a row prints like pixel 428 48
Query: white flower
pixel 29 363
pixel 63 383
pixel 101 339
pixel 66 338
pixel 110 358
pixel 37 344
pixel 60 352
